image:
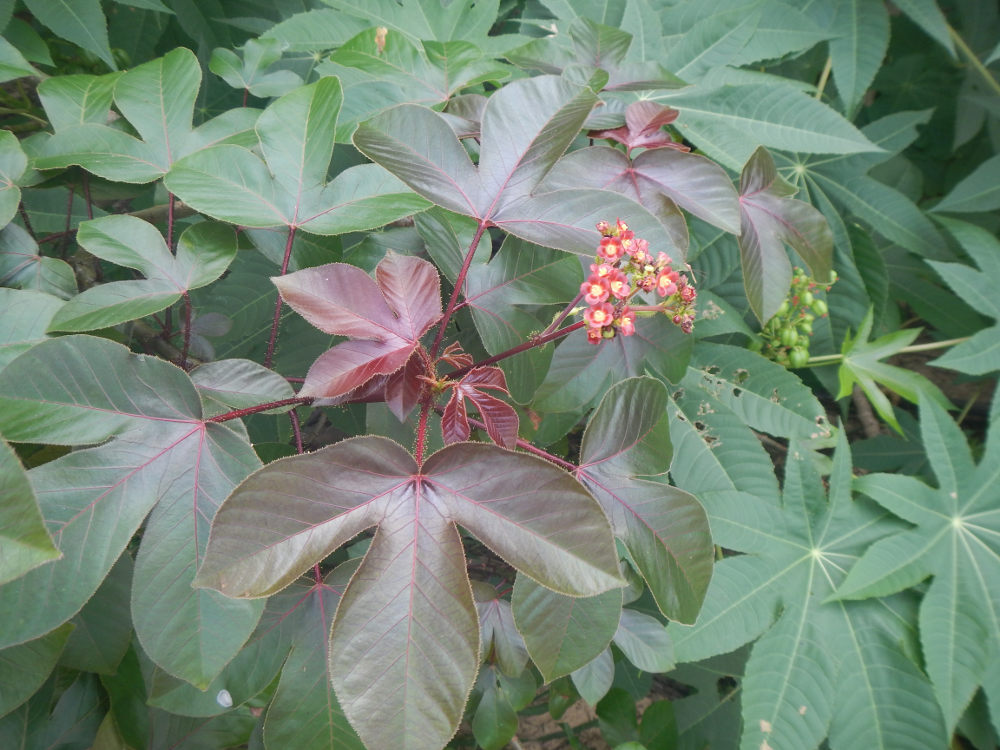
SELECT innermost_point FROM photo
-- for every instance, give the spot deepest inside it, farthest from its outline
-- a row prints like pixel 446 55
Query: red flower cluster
pixel 623 267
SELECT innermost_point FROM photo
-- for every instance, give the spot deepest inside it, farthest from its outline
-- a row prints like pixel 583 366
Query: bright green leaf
pixel 24 541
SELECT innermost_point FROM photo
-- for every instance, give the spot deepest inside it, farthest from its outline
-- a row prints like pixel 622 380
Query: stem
pixel 567 311
pixel 187 331
pixel 25 219
pixel 293 416
pixel 64 245
pixel 974 60
pixel 170 223
pixel 824 77
pixel 418 449
pixel 269 357
pixel 539 340
pixel 829 359
pixel 86 195
pixel 459 283
pixel 239 413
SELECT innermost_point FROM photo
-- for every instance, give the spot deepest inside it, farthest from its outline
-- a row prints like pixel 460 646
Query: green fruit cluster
pixel 785 337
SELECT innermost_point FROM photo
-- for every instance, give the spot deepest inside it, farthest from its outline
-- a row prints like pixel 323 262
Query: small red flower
pixel 599 315
pixel 618 284
pixel 626 321
pixel 611 249
pixel 595 289
pixel 666 283
pixel 594 336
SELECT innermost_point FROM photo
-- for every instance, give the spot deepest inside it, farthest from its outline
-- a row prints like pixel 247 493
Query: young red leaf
pixel 644 121
pixel 499 416
pixel 385 318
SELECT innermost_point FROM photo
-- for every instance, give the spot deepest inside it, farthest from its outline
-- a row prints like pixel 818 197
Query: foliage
pixel 381 374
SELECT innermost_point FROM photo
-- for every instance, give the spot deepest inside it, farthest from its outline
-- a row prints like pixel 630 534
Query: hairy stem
pixel 187 331
pixel 456 292
pixel 567 311
pixel 239 413
pixel 539 340
pixel 269 357
pixel 530 448
pixel 293 417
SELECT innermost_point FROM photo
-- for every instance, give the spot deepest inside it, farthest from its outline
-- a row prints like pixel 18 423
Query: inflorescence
pixel 623 267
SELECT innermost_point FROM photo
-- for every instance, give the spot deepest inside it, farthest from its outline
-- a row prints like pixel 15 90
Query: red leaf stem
pixel 539 340
pixel 567 311
pixel 268 358
pixel 187 331
pixel 238 413
pixel 459 283
pixel 293 417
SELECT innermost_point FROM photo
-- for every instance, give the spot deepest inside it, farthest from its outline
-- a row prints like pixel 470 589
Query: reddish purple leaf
pixel 771 219
pixel 385 318
pixel 404 646
pixel 499 416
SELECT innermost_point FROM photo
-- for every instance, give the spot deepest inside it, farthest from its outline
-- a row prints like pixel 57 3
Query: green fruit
pixel 783 310
pixel 798 357
pixel 807 298
pixel 819 307
pixel 806 327
pixel 789 336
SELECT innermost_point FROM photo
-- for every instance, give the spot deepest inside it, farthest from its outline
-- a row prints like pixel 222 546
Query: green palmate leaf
pixel 13 162
pixel 26 317
pixel 977 192
pixel 730 122
pixel 24 541
pixel 289 186
pixel 711 42
pixel 592 44
pixel 158 99
pixel 204 252
pixel 862 364
pixel 251 72
pixel 526 127
pixel 842 181
pixel 953 539
pixel 707 717
pixel 12 63
pixel 981 353
pixel 714 448
pixel 155 453
pixel 563 633
pixel 770 220
pixel 861 37
pixel 24 668
pixel 22 266
pixel 762 393
pixel 413 576
pixel 812 658
pixel 80 21
pixel 663 528
pixel 77 99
